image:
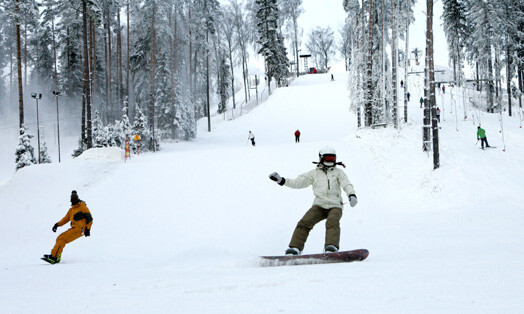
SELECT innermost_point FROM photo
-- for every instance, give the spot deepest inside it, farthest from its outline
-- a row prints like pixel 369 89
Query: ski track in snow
pixel 180 230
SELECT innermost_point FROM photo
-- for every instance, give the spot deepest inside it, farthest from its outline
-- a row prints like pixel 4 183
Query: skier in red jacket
pixel 297 136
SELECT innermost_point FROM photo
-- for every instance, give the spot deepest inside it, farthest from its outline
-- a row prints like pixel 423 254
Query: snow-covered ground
pixel 179 231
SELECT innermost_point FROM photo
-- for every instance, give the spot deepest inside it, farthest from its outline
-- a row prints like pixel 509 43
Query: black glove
pixel 55 227
pixel 277 178
pixel 87 232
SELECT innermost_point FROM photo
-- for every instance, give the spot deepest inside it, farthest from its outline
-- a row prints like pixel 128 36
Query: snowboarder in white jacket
pixel 327 181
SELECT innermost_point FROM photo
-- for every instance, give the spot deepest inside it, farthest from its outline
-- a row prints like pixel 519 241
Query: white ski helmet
pixel 328 156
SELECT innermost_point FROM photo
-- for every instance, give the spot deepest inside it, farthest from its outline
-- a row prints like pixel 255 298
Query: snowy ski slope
pixel 179 231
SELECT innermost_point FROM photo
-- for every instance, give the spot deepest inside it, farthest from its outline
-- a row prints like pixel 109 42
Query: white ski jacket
pixel 326 185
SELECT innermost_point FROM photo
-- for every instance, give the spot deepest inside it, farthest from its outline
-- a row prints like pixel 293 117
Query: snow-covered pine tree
pixel 99 135
pixel 44 154
pixel 24 152
pixel 267 25
pixel 140 128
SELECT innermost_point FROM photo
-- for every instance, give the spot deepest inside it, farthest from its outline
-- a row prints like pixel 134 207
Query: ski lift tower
pixel 304 58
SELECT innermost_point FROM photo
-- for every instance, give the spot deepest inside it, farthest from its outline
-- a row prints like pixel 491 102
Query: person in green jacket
pixel 481 134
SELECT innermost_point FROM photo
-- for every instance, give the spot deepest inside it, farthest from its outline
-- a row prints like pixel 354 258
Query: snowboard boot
pixel 52 259
pixel 293 251
pixel 330 248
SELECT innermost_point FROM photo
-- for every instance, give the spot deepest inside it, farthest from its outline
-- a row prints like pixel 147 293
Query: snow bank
pixel 103 153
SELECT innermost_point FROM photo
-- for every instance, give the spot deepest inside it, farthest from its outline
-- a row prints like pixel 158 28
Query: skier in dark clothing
pixel 297 136
pixel 332 77
pixel 251 137
pixel 421 102
pixel 409 95
pixel 481 134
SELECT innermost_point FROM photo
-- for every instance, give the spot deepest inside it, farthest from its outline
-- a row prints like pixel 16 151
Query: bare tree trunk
pixel 509 74
pixel 152 81
pixel 110 64
pixel 127 61
pixel 295 28
pixel 92 57
pixel 19 66
pixel 490 77
pixel 394 59
pixel 368 112
pixel 521 86
pixel 406 64
pixel 106 60
pixel 208 109
pixel 119 60
pixel 232 75
pixel 171 55
pixel 87 91
pixel 25 51
pixel 191 74
pixel 479 83
pixel 11 88
pixel 54 52
pixel 431 84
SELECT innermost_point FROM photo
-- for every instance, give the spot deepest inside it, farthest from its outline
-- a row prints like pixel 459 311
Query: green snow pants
pixel 314 215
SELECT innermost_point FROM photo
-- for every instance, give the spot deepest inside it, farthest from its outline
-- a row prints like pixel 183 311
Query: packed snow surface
pixel 180 230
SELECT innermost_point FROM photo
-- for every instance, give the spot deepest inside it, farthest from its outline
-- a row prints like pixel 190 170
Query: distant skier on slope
pixel 327 180
pixel 251 137
pixel 297 136
pixel 481 134
pixel 81 222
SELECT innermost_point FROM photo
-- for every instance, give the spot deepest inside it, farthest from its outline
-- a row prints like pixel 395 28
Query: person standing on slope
pixel 481 134
pixel 327 181
pixel 81 222
pixel 297 136
pixel 251 137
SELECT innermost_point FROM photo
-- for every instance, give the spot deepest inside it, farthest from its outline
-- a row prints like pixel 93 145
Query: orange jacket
pixel 83 221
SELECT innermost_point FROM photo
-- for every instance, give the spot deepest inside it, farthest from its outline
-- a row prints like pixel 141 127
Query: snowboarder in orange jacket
pixel 81 222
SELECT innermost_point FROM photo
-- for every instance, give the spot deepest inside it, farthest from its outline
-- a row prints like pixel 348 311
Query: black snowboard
pixel 321 258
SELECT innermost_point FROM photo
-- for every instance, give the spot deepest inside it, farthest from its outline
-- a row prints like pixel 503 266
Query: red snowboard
pixel 321 258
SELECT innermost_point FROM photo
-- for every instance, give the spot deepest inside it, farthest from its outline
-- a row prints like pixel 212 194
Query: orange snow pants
pixel 64 238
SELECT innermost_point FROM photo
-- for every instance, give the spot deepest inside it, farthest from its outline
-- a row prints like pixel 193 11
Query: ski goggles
pixel 330 158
